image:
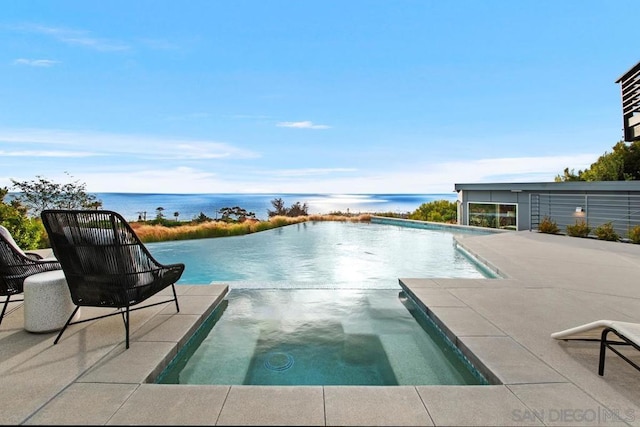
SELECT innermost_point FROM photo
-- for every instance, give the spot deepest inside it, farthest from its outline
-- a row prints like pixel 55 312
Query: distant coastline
pixel 189 206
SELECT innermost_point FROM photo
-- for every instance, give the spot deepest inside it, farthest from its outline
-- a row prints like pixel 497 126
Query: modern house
pixel 521 206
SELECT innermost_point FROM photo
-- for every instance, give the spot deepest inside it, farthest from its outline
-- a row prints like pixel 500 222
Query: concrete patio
pixel 551 283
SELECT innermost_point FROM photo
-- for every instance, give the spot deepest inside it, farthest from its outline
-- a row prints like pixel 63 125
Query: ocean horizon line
pixel 188 206
pixel 267 193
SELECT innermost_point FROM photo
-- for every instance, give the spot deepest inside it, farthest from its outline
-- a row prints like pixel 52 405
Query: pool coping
pixel 536 377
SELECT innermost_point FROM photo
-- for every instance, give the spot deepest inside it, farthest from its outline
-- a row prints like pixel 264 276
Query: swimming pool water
pixel 318 337
pixel 319 303
pixel 321 254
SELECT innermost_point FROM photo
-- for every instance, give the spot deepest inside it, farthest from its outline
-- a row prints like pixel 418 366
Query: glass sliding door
pixel 493 215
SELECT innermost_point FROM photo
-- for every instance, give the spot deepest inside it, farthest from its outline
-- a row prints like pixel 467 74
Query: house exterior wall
pixel 520 194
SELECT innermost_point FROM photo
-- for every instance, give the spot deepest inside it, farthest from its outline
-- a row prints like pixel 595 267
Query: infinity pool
pixel 320 255
pixel 319 303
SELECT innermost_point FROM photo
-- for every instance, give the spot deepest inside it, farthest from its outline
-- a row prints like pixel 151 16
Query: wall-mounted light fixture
pixel 579 209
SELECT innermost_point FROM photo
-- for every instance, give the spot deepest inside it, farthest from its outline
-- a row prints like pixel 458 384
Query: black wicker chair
pixel 105 263
pixel 15 266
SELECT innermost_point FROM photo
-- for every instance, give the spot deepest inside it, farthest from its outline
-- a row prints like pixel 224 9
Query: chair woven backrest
pixel 15 265
pixel 103 260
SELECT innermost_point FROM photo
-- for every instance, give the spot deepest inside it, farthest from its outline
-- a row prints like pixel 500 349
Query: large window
pixel 493 215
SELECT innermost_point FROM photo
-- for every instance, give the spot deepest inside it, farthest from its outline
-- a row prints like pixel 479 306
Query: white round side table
pixel 47 302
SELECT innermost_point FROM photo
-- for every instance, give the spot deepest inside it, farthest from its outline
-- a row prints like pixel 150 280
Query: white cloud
pixel 309 172
pixel 173 180
pixel 412 178
pixel 37 153
pixel 301 125
pixel 508 168
pixel 76 37
pixel 423 178
pixel 202 150
pixel 141 146
pixel 143 173
pixel 35 62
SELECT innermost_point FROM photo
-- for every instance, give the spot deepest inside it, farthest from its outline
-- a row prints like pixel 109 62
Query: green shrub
pixel 549 226
pixel 580 229
pixel 28 232
pixel 634 234
pixel 436 211
pixel 606 232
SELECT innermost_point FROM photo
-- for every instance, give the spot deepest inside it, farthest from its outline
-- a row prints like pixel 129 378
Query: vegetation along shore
pixel 21 215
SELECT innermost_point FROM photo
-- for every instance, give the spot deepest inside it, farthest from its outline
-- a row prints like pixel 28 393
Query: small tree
pixel 201 218
pixel 176 215
pixel 298 209
pixel 159 214
pixel 41 194
pixel 621 164
pixel 236 214
pixel 280 209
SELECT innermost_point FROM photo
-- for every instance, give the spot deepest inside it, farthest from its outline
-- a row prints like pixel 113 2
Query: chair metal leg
pixel 611 345
pixel 603 349
pixel 4 308
pixel 66 324
pixel 123 311
pixel 175 297
pixel 126 327
pixel 5 305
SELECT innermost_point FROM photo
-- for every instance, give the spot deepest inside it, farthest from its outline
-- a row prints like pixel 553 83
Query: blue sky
pixel 405 96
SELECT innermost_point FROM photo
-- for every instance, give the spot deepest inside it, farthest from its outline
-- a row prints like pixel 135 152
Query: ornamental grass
pixel 149 233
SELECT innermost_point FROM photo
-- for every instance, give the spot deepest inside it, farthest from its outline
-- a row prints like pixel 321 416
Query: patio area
pixel 503 325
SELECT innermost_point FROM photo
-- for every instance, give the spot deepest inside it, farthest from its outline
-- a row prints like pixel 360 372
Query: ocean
pixel 190 206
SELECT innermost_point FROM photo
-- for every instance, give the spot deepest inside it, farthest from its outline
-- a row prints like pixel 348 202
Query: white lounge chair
pixel 627 333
